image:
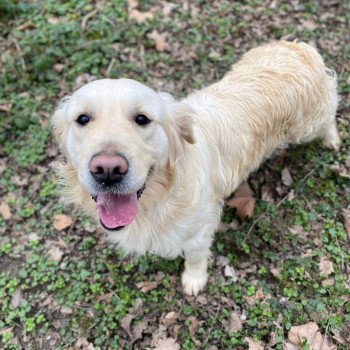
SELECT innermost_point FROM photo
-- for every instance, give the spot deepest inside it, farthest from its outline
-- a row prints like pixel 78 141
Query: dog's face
pixel 117 134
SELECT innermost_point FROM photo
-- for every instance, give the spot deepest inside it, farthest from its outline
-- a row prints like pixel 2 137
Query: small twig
pixel 261 216
pixel 308 174
pixel 110 66
pixel 87 17
pixel 282 200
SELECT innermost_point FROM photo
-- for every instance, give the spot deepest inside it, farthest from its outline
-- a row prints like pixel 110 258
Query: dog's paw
pixel 193 284
pixel 331 139
pixel 333 144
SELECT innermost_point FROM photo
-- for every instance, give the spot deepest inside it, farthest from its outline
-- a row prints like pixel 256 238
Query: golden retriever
pixel 153 171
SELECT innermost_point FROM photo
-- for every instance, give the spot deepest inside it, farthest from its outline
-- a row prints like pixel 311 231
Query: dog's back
pixel 276 94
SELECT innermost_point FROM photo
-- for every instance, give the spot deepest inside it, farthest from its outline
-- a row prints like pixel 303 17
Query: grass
pixel 89 292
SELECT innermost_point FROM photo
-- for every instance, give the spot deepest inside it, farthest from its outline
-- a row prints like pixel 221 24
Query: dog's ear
pixel 59 124
pixel 179 130
pixel 183 115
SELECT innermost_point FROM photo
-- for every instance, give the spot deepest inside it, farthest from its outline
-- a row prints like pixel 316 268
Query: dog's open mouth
pixel 117 210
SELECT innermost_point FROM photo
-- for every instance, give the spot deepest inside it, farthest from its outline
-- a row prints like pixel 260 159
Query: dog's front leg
pixel 195 276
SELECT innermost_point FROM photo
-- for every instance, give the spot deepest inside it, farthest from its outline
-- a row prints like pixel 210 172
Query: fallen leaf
pixel 298 230
pixel 5 107
pixel 138 330
pixel 62 221
pixel 230 272
pixel 289 346
pixel 259 294
pixel 193 329
pixel 235 322
pixel 159 40
pixel 55 253
pixel 17 298
pixel 132 4
pixel 58 67
pixel 167 344
pixel 25 26
pixel 66 310
pixel 287 179
pixel 125 323
pixel 139 16
pixel 170 318
pixel 254 345
pixel 146 286
pixel 243 201
pixel 311 333
pixel 309 24
pixel 326 266
pixel 5 211
pixel 53 20
pixel 276 271
pixel 328 282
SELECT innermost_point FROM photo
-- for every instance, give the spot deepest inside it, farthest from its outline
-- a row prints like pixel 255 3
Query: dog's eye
pixel 141 120
pixel 83 119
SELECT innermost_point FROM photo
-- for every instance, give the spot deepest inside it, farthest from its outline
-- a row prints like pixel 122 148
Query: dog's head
pixel 117 134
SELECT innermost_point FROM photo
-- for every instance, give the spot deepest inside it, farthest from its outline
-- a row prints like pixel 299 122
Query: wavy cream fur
pixel 200 148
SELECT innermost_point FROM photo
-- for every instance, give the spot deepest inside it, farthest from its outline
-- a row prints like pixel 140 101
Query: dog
pixel 153 171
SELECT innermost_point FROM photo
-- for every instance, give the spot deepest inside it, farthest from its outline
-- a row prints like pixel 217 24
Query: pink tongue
pixel 116 210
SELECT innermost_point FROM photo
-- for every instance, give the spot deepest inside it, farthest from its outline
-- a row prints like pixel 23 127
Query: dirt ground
pixel 279 280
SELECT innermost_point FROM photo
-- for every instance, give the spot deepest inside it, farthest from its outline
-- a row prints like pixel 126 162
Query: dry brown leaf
pixel 132 4
pixel 5 211
pixel 17 299
pixel 289 346
pixel 139 16
pixel 309 24
pixel 5 107
pixel 58 67
pixel 310 332
pixel 229 271
pixel 259 294
pixel 276 271
pixel 62 221
pixel 297 230
pixel 328 282
pixel 326 266
pixel 55 253
pixel 193 329
pixel 146 286
pixel 254 345
pixel 243 201
pixel 167 344
pixel 125 322
pixel 53 20
pixel 170 318
pixel 235 322
pixel 287 179
pixel 159 40
pixel 66 310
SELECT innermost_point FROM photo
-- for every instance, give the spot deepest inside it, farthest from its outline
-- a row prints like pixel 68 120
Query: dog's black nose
pixel 108 170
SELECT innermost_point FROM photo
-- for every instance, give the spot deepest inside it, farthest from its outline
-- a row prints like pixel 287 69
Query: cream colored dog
pixel 153 172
